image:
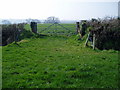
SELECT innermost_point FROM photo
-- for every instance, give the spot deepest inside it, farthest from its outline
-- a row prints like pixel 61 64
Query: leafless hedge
pixel 11 33
pixel 107 33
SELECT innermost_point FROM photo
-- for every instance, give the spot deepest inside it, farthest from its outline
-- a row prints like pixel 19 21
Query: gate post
pixel 77 27
pixel 33 26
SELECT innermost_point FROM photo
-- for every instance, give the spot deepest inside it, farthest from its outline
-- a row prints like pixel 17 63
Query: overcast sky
pixel 63 9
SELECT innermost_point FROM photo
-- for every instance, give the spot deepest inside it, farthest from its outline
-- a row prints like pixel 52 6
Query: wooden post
pixel 87 40
pixel 94 41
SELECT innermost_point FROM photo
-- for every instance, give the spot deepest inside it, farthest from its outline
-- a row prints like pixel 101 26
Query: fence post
pixel 94 41
pixel 86 43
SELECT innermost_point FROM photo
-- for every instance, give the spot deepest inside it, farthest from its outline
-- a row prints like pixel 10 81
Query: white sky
pixel 63 9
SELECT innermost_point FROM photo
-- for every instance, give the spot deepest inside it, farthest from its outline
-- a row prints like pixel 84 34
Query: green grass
pixel 58 62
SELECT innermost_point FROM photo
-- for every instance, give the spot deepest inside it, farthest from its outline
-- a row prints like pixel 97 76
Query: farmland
pixel 57 61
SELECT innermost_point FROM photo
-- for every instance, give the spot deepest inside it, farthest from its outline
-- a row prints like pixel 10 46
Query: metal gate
pixel 57 29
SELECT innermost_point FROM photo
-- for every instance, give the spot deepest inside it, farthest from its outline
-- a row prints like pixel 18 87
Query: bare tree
pixel 6 22
pixel 52 20
pixel 119 9
pixel 33 20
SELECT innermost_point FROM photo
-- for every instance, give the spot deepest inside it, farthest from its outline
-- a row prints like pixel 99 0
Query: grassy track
pixel 58 61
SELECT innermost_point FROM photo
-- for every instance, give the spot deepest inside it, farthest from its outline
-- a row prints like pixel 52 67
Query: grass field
pixel 57 62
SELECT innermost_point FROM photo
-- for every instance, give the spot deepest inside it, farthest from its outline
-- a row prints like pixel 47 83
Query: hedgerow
pixel 107 33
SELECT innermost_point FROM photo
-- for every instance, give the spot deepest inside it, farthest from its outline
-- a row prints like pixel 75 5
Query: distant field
pixel 58 62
